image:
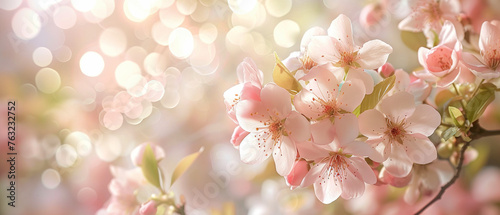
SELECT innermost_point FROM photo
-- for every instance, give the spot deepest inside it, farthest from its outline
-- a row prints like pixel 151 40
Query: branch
pixel 478 133
pixel 451 182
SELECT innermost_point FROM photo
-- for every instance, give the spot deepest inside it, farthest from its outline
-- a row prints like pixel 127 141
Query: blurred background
pixel 94 78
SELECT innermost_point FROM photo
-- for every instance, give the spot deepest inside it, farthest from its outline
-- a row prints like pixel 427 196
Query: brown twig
pixel 476 134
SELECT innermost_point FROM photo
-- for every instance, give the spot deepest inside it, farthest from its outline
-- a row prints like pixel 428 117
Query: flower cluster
pixel 338 116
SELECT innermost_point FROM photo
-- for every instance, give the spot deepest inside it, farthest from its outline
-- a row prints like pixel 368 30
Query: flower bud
pixel 445 150
pixel 299 171
pixel 148 208
pixel 386 70
pixel 138 152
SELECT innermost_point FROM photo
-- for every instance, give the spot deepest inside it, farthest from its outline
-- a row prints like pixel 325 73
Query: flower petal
pixel 373 54
pixel 346 128
pixel 323 132
pixel 248 72
pixel 382 149
pixel 284 156
pixel 422 56
pixel 358 148
pixel 360 74
pixel 352 187
pixel 306 103
pixel 413 22
pixel 341 30
pixel 372 123
pixel 276 100
pixel 251 115
pixel 360 166
pixel 351 94
pixel 313 175
pixel 398 164
pixel 419 149
pixel 308 35
pixel 297 127
pixel 256 147
pixel 322 50
pixel 398 106
pixel 292 62
pixel 327 190
pixel 424 120
pixel 238 135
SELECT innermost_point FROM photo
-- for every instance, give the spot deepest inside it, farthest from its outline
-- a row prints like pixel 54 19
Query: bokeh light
pixel 112 42
pixel 51 178
pixel 286 33
pixel 26 24
pixel 128 74
pixel 64 17
pixel 83 5
pixel 42 56
pixel 181 43
pixel 47 80
pixel 91 64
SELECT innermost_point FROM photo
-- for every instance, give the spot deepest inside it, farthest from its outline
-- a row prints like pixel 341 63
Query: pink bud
pixel 138 152
pixel 394 181
pixel 238 135
pixel 386 70
pixel 372 14
pixel 299 171
pixel 148 208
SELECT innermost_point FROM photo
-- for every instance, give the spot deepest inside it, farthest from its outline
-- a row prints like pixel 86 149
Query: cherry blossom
pixel 325 100
pixel 122 189
pixel 340 169
pixel 430 15
pixel 427 179
pixel 398 132
pixel 441 63
pixel 148 208
pixel 339 49
pixel 250 83
pixel 274 128
pixel 486 65
pixel 300 61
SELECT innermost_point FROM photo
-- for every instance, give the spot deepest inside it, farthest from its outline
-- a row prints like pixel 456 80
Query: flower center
pixel 337 167
pixel 433 12
pixel 395 131
pixel 347 59
pixel 492 58
pixel 276 129
pixel 307 63
pixel 330 110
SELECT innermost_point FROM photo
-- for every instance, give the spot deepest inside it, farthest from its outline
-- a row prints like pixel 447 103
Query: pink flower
pixel 325 100
pixel 148 208
pixel 399 131
pixel 374 14
pixel 386 70
pixel 340 169
pixel 427 179
pixel 137 153
pixel 394 181
pixel 339 50
pixel 122 189
pixel 300 61
pixel 441 63
pixel 250 79
pixel 274 128
pixel 429 15
pixel 487 64
pixel 299 171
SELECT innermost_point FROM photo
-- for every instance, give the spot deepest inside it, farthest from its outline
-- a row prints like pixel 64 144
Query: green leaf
pixel 457 116
pixel 450 132
pixel 414 40
pixel 283 78
pixel 477 104
pixel 379 91
pixel 150 167
pixel 183 165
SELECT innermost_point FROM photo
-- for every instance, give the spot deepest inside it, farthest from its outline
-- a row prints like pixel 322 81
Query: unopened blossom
pixel 299 171
pixel 386 70
pixel 274 128
pixel 430 15
pixel 148 208
pixel 340 168
pixel 487 64
pixel 339 50
pixel 442 62
pixel 427 179
pixel 299 61
pixel 399 131
pixel 138 152
pixel 250 83
pixel 324 100
pixel 238 135
pixel 387 178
